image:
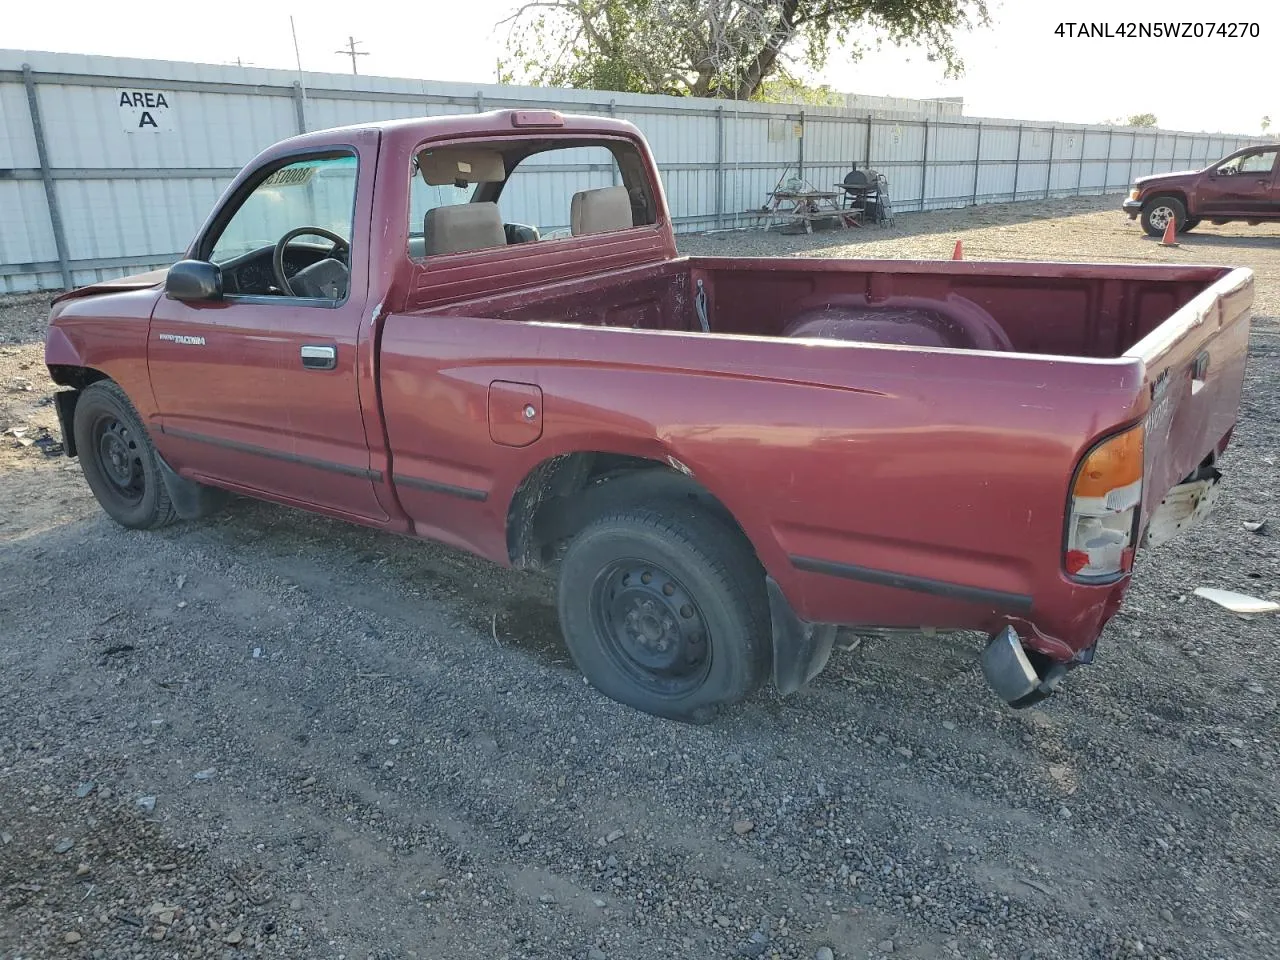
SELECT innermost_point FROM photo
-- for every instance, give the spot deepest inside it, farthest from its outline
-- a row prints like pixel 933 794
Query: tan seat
pixel 600 211
pixel 462 227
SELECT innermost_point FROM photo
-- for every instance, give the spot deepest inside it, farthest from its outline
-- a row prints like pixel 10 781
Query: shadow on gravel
pixel 1192 240
pixel 396 574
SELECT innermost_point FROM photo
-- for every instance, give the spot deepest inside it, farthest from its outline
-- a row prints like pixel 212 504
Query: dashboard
pixel 252 273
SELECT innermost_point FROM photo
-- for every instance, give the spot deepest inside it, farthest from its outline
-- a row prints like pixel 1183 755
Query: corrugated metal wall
pixel 108 197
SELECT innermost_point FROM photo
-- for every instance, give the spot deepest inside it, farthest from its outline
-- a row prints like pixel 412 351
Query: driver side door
pixel 1246 192
pixel 258 388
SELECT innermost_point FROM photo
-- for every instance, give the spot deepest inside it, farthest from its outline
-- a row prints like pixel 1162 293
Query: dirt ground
pixel 271 734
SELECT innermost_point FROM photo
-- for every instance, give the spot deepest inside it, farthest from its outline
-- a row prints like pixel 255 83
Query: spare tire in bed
pixel 910 321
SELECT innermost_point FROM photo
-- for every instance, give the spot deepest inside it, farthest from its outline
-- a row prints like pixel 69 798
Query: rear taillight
pixel 1105 500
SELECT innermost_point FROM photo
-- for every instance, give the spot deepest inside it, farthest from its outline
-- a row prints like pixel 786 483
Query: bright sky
pixel 1016 68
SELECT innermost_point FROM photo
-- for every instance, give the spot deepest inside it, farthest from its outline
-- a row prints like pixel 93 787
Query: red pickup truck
pixel 430 327
pixel 1243 186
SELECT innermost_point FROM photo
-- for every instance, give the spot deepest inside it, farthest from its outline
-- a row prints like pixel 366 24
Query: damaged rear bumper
pixel 801 650
pixel 1016 678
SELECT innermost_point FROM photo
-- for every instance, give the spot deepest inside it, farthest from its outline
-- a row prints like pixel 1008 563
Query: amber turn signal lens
pixel 1112 464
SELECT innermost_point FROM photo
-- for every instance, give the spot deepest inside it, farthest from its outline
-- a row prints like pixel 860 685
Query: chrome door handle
pixel 317 357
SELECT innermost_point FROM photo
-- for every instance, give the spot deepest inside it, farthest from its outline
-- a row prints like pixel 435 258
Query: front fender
pixel 59 351
pixel 104 335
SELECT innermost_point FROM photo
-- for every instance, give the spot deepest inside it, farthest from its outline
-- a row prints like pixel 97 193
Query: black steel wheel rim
pixel 120 459
pixel 651 627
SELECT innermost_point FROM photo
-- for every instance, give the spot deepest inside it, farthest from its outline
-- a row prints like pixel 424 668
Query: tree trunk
pixel 766 59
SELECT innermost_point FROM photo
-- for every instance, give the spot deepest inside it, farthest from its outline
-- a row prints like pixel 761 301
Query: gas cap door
pixel 515 413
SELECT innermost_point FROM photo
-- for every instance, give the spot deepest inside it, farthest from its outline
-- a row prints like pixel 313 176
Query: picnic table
pixel 806 206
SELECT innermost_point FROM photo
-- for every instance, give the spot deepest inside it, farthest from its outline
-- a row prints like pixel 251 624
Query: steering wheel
pixel 341 248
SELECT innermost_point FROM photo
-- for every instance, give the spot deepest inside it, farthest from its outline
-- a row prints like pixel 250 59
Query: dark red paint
pixel 952 465
pixel 1214 194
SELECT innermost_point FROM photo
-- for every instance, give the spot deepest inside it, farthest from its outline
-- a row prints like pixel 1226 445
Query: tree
pixel 714 48
pixel 1266 124
pixel 784 88
pixel 1141 120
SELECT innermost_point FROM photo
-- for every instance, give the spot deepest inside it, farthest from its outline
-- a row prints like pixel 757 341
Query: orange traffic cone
pixel 958 252
pixel 1170 238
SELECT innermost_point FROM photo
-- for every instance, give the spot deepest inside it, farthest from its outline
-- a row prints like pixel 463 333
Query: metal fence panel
pixel 112 195
pixel 25 231
pixel 17 146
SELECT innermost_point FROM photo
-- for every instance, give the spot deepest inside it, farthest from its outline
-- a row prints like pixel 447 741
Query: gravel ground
pixel 274 734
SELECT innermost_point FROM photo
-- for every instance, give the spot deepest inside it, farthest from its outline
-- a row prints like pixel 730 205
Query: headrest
pixel 600 211
pixel 449 165
pixel 462 226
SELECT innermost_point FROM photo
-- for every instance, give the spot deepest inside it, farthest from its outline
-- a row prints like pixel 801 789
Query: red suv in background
pixel 1242 186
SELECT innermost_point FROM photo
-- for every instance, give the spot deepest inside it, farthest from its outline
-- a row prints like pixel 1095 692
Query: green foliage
pixel 787 89
pixel 717 48
pixel 1142 120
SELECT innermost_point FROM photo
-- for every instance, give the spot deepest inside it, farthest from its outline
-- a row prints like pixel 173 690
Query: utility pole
pixel 351 51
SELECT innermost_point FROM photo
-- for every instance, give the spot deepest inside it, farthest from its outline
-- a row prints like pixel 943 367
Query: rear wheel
pixel 664 609
pixel 1159 211
pixel 118 460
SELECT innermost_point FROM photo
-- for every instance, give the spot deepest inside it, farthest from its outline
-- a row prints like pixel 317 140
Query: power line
pixel 350 51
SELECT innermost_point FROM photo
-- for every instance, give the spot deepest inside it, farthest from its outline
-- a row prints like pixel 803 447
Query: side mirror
pixel 193 280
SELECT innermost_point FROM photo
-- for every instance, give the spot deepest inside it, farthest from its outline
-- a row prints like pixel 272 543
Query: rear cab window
pixel 489 194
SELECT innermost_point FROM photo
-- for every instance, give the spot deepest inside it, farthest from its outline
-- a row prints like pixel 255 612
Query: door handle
pixel 319 357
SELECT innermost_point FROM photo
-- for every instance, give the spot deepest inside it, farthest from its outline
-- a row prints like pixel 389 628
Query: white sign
pixel 145 111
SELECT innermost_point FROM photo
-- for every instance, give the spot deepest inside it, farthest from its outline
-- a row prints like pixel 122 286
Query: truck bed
pixel 1073 310
pixel 940 444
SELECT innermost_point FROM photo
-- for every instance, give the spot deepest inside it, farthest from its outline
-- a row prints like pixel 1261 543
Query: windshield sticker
pixel 290 177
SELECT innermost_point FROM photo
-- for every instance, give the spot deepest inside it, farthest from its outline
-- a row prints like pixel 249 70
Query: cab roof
pixel 409 133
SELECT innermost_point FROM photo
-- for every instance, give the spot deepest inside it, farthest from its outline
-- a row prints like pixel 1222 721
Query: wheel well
pixel 65 400
pixel 78 377
pixel 1171 195
pixel 563 494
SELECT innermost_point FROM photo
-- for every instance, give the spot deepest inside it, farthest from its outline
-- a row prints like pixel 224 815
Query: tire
pixel 1157 211
pixel 1190 224
pixel 119 460
pixel 663 608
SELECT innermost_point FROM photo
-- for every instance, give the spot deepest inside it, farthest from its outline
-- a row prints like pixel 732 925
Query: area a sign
pixel 145 111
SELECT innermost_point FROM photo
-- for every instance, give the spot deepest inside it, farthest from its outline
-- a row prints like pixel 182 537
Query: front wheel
pixel 1189 224
pixel 1159 211
pixel 664 609
pixel 118 460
